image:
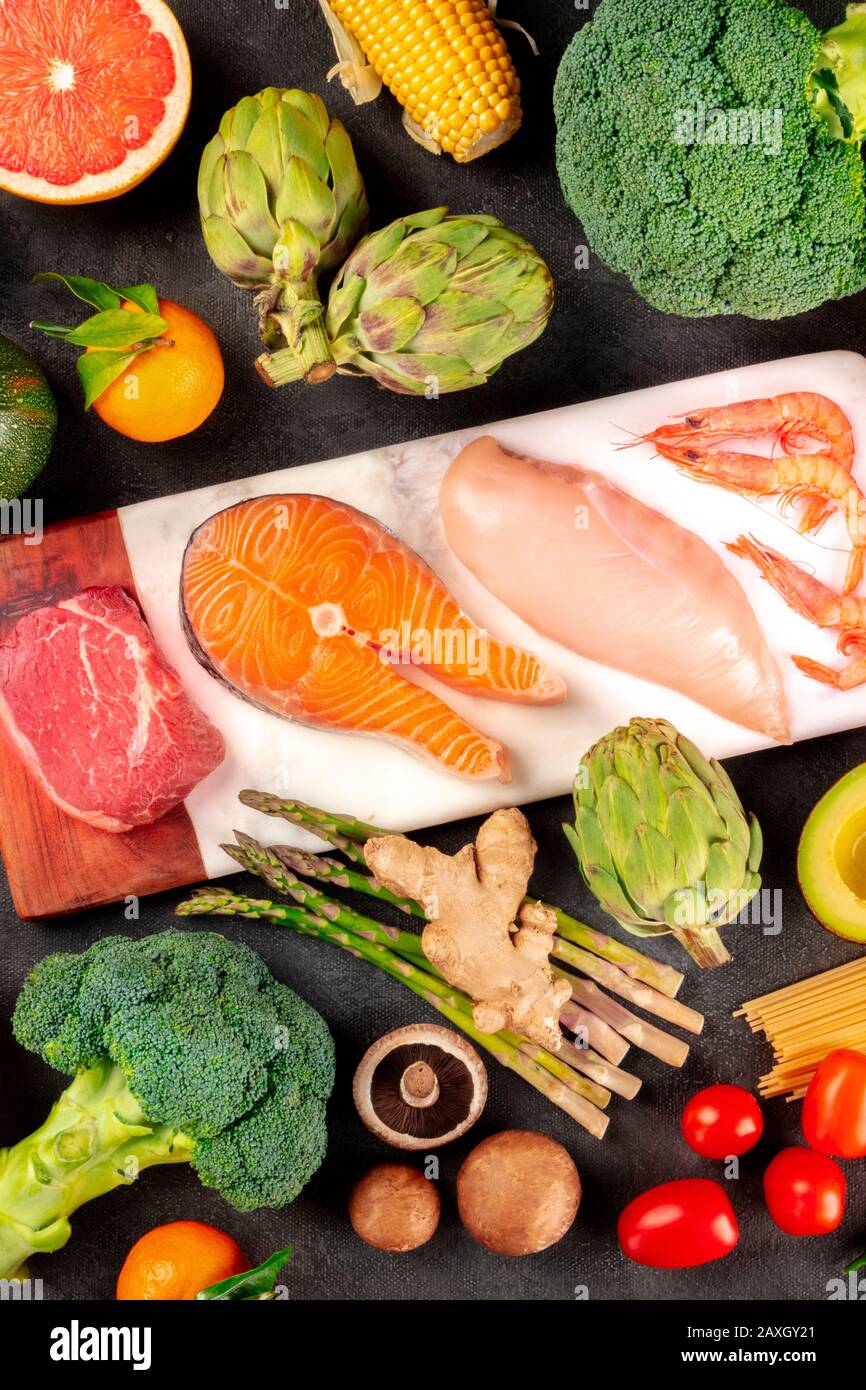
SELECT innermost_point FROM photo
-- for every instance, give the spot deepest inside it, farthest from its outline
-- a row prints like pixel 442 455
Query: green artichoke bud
pixel 433 303
pixel 662 839
pixel 281 200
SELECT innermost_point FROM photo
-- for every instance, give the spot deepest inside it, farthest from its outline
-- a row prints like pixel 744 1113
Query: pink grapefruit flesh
pixel 93 96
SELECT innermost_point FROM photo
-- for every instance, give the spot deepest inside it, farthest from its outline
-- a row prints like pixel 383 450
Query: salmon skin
pixel 612 580
pixel 307 607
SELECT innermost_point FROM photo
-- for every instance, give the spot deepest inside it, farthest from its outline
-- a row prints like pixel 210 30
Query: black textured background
pixel 601 340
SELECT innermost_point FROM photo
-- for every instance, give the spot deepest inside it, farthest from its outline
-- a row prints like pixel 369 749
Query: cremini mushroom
pixel 518 1192
pixel 394 1207
pixel 420 1086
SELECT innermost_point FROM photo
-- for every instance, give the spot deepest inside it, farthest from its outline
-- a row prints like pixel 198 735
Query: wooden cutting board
pixel 56 864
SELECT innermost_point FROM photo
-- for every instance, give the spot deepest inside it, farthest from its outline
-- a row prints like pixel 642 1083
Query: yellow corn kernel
pixel 447 64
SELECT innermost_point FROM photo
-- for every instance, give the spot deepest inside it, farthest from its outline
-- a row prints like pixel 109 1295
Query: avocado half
pixel 831 859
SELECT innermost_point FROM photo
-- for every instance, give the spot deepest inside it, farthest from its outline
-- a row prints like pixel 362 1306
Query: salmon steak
pixel 611 579
pixel 309 608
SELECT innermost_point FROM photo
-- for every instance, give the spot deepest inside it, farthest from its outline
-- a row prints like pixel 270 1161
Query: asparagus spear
pixel 259 860
pixel 552 1062
pixel 332 871
pixel 343 832
pixel 616 978
pixel 349 835
pixel 585 1059
pixel 453 1006
pixel 618 982
pixel 631 977
pixel 268 864
pixel 646 1035
pixel 633 962
pixel 597 1032
pixel 610 1019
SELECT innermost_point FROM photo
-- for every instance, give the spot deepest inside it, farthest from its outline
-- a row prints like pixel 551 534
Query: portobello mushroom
pixel 419 1087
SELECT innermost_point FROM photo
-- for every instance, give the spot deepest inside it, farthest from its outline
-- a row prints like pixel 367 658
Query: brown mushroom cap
pixel 420 1087
pixel 394 1207
pixel 518 1192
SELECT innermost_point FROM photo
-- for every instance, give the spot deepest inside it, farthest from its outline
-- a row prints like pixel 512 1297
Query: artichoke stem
pixel 297 315
pixel 704 945
pixel 284 366
pixel 269 332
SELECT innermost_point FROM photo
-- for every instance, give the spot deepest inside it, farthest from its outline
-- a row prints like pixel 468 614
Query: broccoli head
pixel 184 1049
pixel 711 149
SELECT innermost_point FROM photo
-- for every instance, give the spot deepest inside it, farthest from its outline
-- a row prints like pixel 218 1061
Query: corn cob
pixel 445 61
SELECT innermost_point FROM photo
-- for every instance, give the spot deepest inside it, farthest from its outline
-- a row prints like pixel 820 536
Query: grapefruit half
pixel 93 96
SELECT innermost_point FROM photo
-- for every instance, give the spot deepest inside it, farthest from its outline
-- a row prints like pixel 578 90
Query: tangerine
pixel 177 1261
pixel 170 389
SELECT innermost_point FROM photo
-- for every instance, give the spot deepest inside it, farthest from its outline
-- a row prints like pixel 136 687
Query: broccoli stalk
pixel 96 1138
pixel 183 1048
pixel 839 81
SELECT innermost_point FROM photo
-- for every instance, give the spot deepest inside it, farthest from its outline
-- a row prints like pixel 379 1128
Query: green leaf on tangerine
pixel 253 1284
pixel 99 369
pixel 51 330
pixel 117 328
pixel 144 296
pixel 94 292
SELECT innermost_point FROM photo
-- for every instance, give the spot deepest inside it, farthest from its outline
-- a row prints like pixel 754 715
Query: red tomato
pixel 721 1121
pixel 805 1192
pixel 834 1111
pixel 678 1225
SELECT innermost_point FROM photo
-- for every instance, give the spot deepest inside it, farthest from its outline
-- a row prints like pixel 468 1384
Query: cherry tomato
pixel 678 1225
pixel 805 1192
pixel 721 1121
pixel 834 1111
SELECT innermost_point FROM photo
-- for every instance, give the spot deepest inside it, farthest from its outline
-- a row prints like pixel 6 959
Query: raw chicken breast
pixel 611 579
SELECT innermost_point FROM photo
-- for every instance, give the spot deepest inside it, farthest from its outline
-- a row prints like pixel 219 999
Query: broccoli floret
pixel 184 1049
pixel 760 212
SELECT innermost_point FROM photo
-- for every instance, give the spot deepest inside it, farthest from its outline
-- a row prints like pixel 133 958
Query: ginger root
pixel 478 935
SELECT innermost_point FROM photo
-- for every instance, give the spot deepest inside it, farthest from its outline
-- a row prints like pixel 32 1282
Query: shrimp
pixel 793 476
pixel 820 605
pixel 793 419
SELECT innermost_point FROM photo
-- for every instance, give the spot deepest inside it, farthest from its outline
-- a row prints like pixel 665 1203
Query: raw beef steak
pixel 98 716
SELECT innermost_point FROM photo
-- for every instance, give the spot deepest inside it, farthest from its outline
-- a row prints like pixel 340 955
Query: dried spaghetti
pixel 805 1021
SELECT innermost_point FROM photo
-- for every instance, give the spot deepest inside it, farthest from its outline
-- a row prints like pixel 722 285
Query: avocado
pixel 831 860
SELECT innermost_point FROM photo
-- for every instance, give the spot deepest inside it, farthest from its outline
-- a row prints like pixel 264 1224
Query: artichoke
pixel 432 303
pixel 281 199
pixel 662 839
